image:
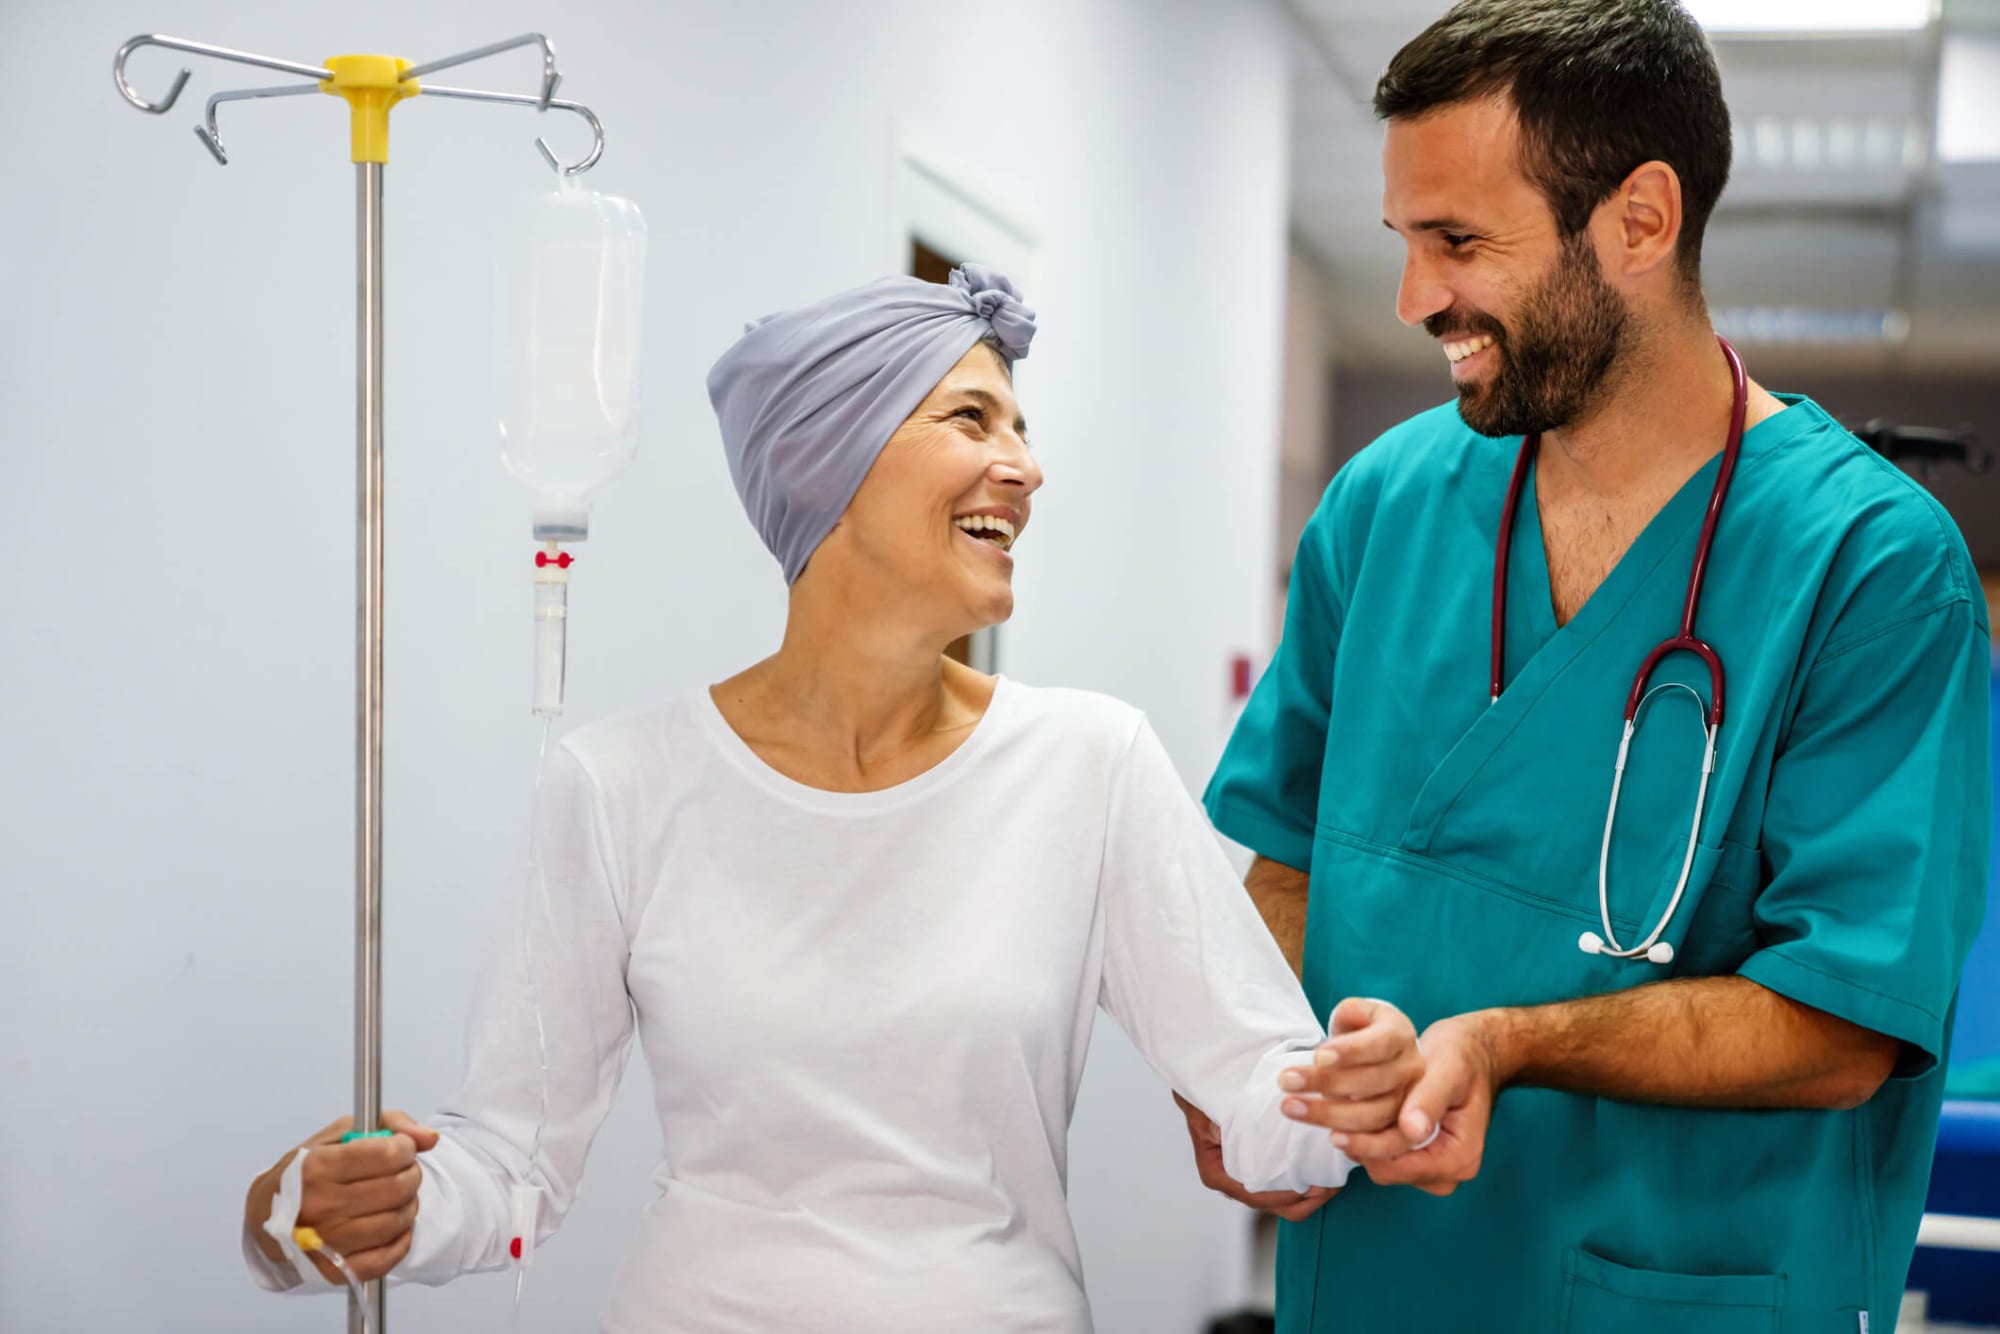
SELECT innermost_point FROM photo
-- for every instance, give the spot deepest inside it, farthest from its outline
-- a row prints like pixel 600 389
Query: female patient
pixel 858 903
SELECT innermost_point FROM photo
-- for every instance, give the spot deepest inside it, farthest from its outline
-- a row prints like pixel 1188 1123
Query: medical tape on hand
pixel 285 1216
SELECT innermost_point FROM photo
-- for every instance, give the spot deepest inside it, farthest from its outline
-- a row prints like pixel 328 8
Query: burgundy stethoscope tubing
pixel 1685 641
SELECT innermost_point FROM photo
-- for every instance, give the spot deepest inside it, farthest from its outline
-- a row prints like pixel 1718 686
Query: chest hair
pixel 1584 541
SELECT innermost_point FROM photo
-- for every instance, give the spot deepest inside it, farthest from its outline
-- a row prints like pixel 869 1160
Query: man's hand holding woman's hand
pixel 1359 1079
pixel 1355 1088
pixel 1428 1132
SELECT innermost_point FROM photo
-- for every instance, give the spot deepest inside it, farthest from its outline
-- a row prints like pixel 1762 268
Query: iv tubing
pixel 524 1242
pixel 309 1241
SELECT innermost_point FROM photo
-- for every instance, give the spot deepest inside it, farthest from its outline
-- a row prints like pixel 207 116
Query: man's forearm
pixel 1280 893
pixel 1698 1042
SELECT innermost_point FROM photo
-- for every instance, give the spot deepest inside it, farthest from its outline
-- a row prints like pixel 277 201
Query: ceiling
pixel 1839 213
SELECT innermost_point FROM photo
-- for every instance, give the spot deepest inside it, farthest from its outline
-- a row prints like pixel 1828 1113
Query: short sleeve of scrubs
pixel 1265 792
pixel 1876 831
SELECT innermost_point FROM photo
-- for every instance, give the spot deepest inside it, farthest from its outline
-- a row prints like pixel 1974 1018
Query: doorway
pixel 942 221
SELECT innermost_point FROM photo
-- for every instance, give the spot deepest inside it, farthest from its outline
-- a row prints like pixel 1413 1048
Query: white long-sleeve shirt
pixel 866 1016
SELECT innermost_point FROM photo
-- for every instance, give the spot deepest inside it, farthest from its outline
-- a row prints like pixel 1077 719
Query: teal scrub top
pixel 1453 849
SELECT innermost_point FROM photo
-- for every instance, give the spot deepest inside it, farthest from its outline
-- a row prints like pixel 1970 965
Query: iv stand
pixel 371 85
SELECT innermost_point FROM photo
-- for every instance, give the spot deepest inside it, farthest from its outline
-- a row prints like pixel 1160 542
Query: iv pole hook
pixel 577 168
pixel 211 137
pixel 125 90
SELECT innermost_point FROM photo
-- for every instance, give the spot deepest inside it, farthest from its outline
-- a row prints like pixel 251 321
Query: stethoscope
pixel 1652 948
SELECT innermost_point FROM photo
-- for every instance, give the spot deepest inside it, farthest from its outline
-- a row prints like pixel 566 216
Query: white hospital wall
pixel 176 415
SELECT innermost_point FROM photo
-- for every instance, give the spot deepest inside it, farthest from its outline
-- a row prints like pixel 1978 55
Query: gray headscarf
pixel 807 398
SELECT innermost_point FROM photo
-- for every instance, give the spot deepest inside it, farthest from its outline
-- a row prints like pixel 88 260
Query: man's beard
pixel 1569 333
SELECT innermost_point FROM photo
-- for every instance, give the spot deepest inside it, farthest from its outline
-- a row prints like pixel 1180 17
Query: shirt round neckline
pixel 754 767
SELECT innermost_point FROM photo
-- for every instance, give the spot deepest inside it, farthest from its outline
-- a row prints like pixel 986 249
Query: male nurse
pixel 1687 985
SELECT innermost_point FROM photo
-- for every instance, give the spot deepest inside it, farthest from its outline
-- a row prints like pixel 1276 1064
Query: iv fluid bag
pixel 571 272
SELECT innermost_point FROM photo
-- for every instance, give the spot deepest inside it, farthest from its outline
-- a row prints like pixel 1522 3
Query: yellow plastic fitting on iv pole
pixel 371 85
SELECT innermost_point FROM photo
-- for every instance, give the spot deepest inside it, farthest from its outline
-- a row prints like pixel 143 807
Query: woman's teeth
pixel 986 528
pixel 1456 352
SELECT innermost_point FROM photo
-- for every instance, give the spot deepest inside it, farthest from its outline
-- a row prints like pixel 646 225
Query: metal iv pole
pixel 371 84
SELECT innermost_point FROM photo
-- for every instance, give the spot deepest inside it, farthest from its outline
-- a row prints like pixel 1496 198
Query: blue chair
pixel 1958 1247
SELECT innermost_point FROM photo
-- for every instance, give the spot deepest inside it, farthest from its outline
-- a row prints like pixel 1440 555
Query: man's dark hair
pixel 1600 86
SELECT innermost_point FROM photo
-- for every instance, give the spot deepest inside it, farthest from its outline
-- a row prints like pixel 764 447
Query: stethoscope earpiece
pixel 1590 943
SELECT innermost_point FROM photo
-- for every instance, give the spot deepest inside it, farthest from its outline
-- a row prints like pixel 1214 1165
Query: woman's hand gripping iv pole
pixel 341 1207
